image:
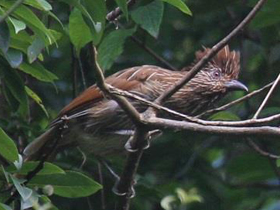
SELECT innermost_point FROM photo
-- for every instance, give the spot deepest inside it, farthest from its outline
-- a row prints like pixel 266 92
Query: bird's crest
pixel 225 59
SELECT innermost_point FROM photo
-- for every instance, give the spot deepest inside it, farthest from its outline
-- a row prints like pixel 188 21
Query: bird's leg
pixel 83 156
pixel 151 135
pixel 114 174
pixel 117 178
pixel 131 192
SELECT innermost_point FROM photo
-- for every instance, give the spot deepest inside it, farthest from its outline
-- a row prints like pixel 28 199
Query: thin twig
pixel 113 15
pixel 250 122
pixel 153 53
pixel 82 72
pixel 11 10
pixel 237 101
pixel 43 159
pixel 74 71
pixel 267 97
pixel 215 49
pixel 102 193
pixel 260 151
pixel 161 123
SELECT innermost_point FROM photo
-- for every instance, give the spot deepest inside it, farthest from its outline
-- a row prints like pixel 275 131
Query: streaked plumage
pixel 98 125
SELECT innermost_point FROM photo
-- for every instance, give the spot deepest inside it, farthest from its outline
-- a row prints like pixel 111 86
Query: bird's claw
pixel 130 194
pixel 128 145
pixel 151 135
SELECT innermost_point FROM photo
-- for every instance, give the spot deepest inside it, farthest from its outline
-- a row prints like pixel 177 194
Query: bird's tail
pixel 33 151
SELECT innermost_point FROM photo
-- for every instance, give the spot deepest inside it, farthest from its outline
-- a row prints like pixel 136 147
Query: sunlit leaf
pixel 38 71
pixel 72 184
pixel 8 149
pixel 30 19
pixel 224 115
pixel 24 192
pixel 39 4
pixel 112 46
pixel 18 25
pixel 180 5
pixel 97 11
pixel 4 207
pixel 153 13
pixel 48 168
pixel 79 32
pixel 36 98
pixel 34 50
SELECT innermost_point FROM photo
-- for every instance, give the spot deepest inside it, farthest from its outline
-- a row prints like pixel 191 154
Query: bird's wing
pixel 129 79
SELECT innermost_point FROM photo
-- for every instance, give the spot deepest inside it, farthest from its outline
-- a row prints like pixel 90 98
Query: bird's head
pixel 221 73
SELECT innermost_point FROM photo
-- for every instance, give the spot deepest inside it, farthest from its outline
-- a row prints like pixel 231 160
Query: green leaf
pixel 71 185
pixel 18 25
pixel 122 4
pixel 153 13
pixel 267 16
pixel 36 98
pixel 250 167
pixel 38 71
pixel 24 192
pixel 180 5
pixel 224 115
pixel 8 148
pixel 4 207
pixel 47 169
pixel 18 163
pixel 79 32
pixel 20 41
pixel 16 87
pixel 4 37
pixel 35 49
pixel 97 11
pixel 265 19
pixel 112 46
pixel 14 57
pixel 30 19
pixel 39 4
pixel 278 163
pixel 95 14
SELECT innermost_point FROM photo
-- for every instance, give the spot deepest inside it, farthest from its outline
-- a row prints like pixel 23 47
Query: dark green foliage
pixel 45 56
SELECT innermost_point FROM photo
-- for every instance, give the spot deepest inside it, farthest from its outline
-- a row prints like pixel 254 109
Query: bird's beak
pixel 235 85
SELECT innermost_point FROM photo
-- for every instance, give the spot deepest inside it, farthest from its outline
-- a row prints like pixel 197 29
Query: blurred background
pixel 181 170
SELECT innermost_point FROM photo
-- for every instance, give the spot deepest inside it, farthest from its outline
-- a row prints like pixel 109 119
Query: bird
pixel 96 124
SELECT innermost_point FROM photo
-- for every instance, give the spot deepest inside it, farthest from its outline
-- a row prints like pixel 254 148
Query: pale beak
pixel 235 85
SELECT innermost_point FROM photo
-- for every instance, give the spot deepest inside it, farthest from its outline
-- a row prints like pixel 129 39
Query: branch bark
pixel 215 49
pixel 161 123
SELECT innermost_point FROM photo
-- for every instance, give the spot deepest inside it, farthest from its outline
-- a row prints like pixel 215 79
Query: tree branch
pixel 153 53
pixel 250 122
pixel 215 49
pixel 267 97
pixel 253 145
pixel 161 123
pixel 113 15
pixel 125 185
pixel 122 102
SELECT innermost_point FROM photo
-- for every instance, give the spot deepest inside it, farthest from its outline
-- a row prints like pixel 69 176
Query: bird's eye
pixel 217 74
